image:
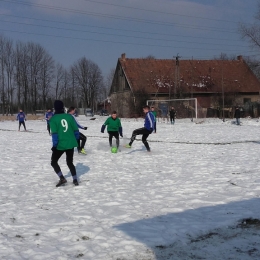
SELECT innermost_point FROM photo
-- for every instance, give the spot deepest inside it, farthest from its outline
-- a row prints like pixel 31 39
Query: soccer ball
pixel 114 150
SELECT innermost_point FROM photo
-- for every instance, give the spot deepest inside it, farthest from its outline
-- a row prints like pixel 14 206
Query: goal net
pixel 185 108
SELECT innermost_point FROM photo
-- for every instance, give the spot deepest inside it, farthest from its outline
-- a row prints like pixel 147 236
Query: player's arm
pixel 78 124
pixel 46 117
pixel 103 127
pixel 75 128
pixel 120 128
pixel 54 134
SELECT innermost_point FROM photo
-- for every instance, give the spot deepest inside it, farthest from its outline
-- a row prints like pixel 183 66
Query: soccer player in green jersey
pixel 65 134
pixel 114 128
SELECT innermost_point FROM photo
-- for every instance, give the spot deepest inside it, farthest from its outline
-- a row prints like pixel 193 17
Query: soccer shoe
pixel 61 182
pixel 75 182
pixel 83 151
pixel 127 146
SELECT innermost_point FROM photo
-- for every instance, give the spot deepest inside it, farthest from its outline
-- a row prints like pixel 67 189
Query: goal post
pixel 187 107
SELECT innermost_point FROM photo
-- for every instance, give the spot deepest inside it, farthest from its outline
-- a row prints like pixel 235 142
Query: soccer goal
pixel 185 108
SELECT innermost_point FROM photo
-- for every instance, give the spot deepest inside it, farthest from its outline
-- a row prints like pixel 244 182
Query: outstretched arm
pixel 103 128
pixel 121 131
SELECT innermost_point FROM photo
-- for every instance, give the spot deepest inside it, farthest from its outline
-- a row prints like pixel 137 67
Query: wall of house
pixel 119 81
pixel 122 102
pixel 253 98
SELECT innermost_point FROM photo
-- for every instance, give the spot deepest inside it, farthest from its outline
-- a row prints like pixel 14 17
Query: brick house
pixel 212 82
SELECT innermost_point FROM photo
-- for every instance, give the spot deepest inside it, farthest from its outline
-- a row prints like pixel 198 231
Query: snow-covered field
pixel 184 200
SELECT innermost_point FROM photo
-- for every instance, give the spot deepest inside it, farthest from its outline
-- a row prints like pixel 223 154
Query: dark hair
pixel 70 109
pixel 146 107
pixel 114 112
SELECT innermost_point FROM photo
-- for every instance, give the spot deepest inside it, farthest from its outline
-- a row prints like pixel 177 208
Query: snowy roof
pixel 201 75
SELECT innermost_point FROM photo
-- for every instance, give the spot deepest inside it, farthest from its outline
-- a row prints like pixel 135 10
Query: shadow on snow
pixel 171 235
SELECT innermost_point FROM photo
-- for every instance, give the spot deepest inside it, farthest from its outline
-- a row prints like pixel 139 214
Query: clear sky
pixel 104 29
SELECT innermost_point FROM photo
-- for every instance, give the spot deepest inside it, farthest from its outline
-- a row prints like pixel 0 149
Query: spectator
pixel 237 115
pixel 172 114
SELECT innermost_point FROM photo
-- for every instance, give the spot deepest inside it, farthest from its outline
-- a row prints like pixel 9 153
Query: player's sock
pixel 60 175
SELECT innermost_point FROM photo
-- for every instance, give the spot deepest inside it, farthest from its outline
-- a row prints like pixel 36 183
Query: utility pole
pixel 222 83
pixel 192 87
pixel 177 73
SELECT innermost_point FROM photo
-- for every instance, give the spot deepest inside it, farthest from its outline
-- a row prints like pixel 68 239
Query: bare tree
pixel 46 78
pixel 150 57
pixel 224 56
pixel 34 74
pixel 59 81
pixel 253 65
pixel 22 72
pixel 35 56
pixel 107 84
pixel 75 89
pixel 88 77
pixel 252 32
pixel 8 59
pixel 2 74
pixel 29 80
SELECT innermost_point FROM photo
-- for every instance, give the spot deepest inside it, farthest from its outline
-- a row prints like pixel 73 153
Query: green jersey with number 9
pixel 64 125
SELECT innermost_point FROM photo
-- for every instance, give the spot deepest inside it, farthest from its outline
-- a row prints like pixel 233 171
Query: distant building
pixel 210 81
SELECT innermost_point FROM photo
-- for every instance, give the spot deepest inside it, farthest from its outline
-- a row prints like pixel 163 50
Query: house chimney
pixel 240 57
pixel 123 56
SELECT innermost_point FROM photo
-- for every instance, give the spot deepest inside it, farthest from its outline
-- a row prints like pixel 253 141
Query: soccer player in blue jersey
pixel 21 119
pixel 146 130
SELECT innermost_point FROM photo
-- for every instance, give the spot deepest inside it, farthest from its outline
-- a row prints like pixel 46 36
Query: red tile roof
pixel 201 75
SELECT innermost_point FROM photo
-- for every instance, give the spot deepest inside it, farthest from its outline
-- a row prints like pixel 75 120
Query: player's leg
pixel 83 139
pixel 49 129
pixel 116 135
pixel 136 132
pixel 110 136
pixel 56 154
pixel 81 144
pixel 144 139
pixel 69 160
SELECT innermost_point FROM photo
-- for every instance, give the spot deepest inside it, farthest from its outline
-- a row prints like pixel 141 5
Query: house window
pixel 247 100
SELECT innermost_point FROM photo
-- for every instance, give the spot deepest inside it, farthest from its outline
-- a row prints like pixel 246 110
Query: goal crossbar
pixel 177 99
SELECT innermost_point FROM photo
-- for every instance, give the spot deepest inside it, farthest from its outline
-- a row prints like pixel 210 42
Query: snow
pixel 184 200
